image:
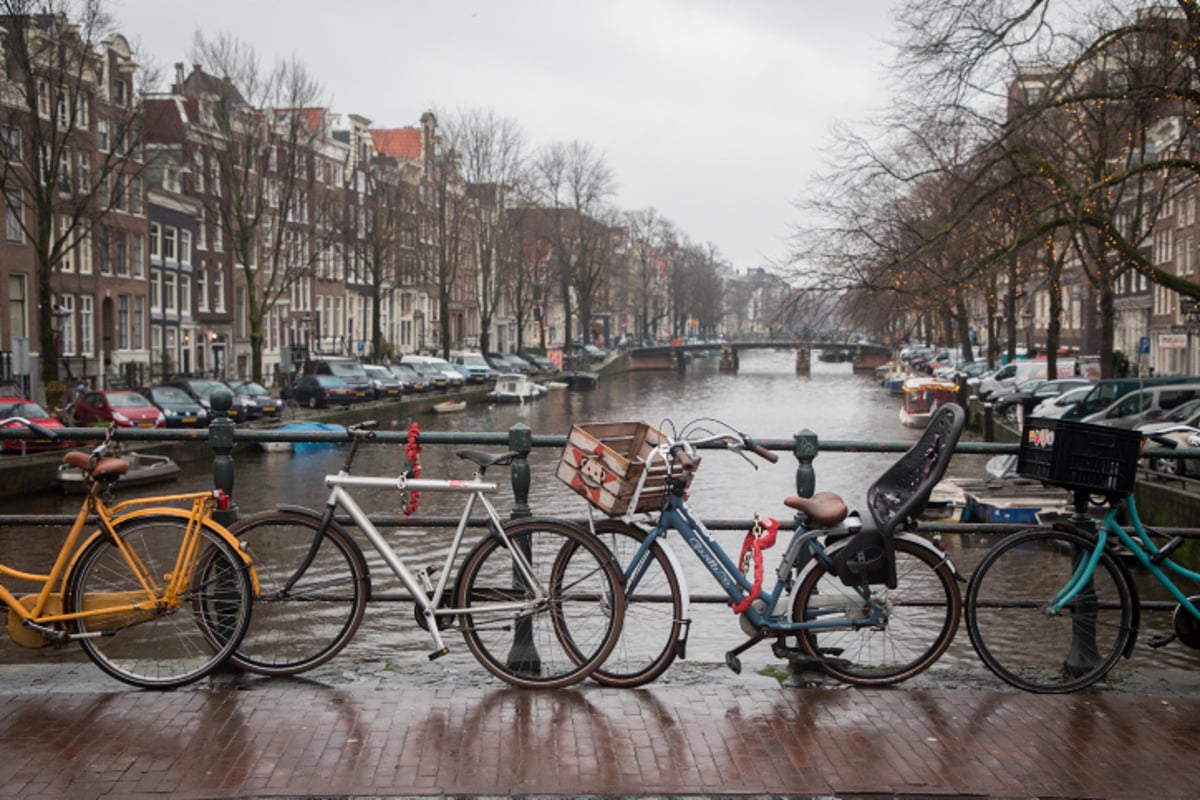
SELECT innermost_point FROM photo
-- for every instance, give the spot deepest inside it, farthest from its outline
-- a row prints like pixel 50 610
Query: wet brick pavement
pixel 64 733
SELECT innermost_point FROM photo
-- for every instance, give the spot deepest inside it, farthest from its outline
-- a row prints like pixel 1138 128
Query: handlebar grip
pixel 40 431
pixel 680 454
pixel 763 452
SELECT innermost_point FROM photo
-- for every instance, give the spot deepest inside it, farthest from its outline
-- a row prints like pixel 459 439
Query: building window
pixel 202 230
pixel 202 289
pixel 18 310
pixel 122 253
pixel 198 173
pixel 168 243
pixel 119 91
pixel 102 140
pixel 185 247
pixel 14 211
pixel 12 144
pixel 135 255
pixel 66 307
pixel 86 333
pixel 170 292
pixel 155 289
pixel 83 254
pixel 155 237
pixel 219 290
pixel 185 296
pixel 83 173
pixel 139 322
pixel 123 322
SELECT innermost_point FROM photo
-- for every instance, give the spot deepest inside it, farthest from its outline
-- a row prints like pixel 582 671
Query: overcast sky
pixel 714 112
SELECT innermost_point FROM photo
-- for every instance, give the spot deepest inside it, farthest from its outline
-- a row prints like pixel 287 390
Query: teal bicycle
pixel 1053 609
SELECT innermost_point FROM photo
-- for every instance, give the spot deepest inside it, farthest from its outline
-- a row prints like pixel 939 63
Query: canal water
pixel 765 399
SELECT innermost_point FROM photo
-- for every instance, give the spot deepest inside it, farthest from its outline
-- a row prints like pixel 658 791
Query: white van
pixel 454 378
pixel 1014 372
pixel 1148 404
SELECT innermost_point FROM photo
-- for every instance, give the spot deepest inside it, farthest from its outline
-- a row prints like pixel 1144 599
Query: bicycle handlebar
pixel 33 426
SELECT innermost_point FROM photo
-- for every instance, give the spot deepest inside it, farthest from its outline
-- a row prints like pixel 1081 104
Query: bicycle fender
pixel 921 541
pixel 677 568
pixel 143 513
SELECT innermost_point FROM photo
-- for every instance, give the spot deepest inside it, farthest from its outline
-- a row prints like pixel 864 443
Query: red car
pixel 16 407
pixel 126 409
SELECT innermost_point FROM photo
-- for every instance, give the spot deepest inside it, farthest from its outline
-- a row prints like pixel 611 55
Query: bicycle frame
pixel 426 594
pixel 803 546
pixel 46 608
pixel 1143 549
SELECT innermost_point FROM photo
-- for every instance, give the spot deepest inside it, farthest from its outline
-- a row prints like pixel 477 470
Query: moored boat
pixel 298 447
pixel 513 387
pixel 144 468
pixel 450 406
pixel 922 398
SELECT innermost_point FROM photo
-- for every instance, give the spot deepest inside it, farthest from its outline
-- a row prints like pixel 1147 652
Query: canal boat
pixel 144 468
pixel 300 447
pixel 922 398
pixel 580 380
pixel 450 406
pixel 513 387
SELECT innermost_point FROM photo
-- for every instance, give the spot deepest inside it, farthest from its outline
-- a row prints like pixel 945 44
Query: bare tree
pixel 650 240
pixel 72 138
pixel 269 122
pixel 575 182
pixel 491 154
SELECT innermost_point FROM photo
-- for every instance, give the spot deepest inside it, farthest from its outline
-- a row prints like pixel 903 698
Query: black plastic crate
pixel 1098 459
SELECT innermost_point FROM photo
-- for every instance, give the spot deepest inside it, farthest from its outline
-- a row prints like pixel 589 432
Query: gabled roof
pixel 398 142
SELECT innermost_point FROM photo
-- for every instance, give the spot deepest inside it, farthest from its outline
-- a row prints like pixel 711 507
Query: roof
pixel 398 142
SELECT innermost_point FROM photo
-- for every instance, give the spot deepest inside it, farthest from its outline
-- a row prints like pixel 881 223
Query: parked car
pixel 258 398
pixel 507 362
pixel 1056 407
pixel 121 407
pixel 450 377
pixel 541 363
pixel 474 368
pixel 18 407
pixel 1181 426
pixel 411 381
pixel 1149 404
pixel 201 390
pixel 348 369
pixel 1014 406
pixel 384 384
pixel 1014 372
pixel 322 391
pixel 177 406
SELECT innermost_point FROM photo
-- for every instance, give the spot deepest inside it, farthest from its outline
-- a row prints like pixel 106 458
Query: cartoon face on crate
pixel 590 473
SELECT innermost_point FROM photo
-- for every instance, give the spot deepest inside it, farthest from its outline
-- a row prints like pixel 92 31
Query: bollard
pixel 523 655
pixel 220 439
pixel 520 441
pixel 805 449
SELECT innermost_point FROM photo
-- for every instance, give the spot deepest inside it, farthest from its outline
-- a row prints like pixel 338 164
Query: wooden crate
pixel 604 463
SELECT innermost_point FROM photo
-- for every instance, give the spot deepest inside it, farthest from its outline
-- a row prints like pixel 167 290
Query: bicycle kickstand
pixel 731 658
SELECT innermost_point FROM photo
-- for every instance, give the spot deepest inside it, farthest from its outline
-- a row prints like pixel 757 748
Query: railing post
pixel 520 440
pixel 806 449
pixel 220 439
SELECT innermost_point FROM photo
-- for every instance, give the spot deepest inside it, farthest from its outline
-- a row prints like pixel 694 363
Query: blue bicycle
pixel 871 603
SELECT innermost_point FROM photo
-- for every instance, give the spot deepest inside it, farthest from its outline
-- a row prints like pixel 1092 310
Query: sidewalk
pixel 65 732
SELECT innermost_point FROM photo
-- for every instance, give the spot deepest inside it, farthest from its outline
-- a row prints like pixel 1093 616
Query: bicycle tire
pixel 922 618
pixel 654 607
pixel 310 603
pixel 550 644
pixel 1022 644
pixel 161 648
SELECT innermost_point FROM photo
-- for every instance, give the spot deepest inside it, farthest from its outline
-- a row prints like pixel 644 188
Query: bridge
pixel 866 357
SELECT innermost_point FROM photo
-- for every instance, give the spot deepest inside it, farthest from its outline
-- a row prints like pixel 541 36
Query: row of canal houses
pixel 186 208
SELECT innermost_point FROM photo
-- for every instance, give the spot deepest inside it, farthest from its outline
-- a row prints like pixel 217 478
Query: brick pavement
pixel 303 738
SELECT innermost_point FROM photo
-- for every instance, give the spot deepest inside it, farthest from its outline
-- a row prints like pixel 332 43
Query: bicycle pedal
pixel 1162 640
pixel 436 654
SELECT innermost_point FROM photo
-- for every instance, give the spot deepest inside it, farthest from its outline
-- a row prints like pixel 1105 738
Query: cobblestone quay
pixel 65 733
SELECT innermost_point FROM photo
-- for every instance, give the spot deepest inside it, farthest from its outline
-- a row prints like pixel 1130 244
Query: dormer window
pixel 119 91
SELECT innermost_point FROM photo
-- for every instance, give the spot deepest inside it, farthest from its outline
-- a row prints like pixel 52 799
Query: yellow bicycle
pixel 158 595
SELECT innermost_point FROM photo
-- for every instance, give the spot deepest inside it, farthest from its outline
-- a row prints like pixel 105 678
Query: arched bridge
pixel 866 357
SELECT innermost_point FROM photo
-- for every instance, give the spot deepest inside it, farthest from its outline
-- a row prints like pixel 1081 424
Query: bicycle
pixel 517 589
pixel 158 596
pixel 1052 609
pixel 872 604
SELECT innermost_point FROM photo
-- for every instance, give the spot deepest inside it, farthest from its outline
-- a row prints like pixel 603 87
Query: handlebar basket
pixel 608 464
pixel 1098 459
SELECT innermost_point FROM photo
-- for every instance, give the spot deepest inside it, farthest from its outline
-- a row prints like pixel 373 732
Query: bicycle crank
pixel 444 623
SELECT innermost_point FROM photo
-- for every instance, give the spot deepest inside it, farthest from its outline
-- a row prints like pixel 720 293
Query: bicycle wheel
pixel 654 609
pixel 921 619
pixel 160 646
pixel 1035 649
pixel 314 586
pixel 572 609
